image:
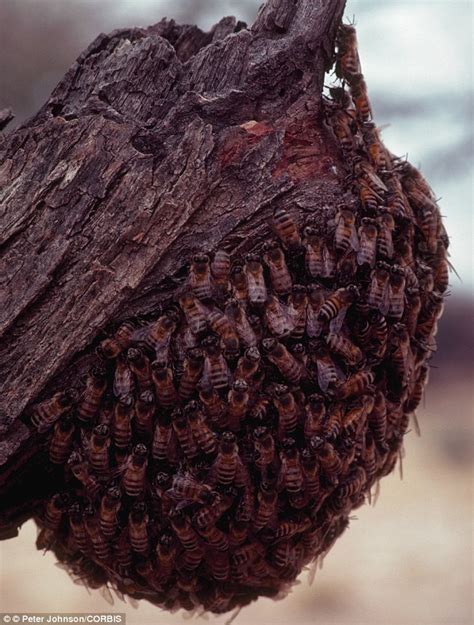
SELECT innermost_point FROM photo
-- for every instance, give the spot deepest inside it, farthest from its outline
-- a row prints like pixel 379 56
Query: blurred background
pixel 408 559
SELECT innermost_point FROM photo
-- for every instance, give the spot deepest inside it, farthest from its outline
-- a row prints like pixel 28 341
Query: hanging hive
pixel 221 443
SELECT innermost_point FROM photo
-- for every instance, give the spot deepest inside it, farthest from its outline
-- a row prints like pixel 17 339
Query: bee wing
pixel 106 594
pixel 140 334
pixel 335 324
pixel 354 239
pixel 329 262
pixel 384 305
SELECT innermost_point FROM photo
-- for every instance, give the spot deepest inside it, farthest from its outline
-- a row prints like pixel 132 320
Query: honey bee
pixel 291 476
pixel 159 334
pixel 345 348
pixel 193 366
pixel 378 297
pixel 55 509
pixel 236 312
pixel 277 317
pixel 95 388
pixel 396 292
pixel 184 435
pixel 378 421
pixel 164 384
pixel 365 174
pixel 328 377
pixel 238 278
pixel 379 334
pixel 213 511
pixel 386 224
pixel 162 439
pixel 264 448
pixel 368 233
pixel 224 468
pixel 187 536
pixel 316 299
pixel 121 425
pixel 186 488
pixel 81 471
pixel 378 154
pixel 222 326
pixel 336 306
pixel 109 506
pixel 266 507
pixel 257 290
pixel 369 458
pixel 369 198
pixel 332 424
pixel 49 411
pixel 237 399
pixel 137 528
pixel 61 442
pixel 287 410
pixel 347 267
pixel 144 413
pixel 133 479
pixel 441 275
pixel 123 378
pixel 123 554
pixel 213 404
pixel 248 365
pixel 328 458
pixel 315 411
pixel 291 527
pixel 286 229
pixel 200 276
pixel 320 258
pixel 214 537
pixel 100 545
pixel 347 63
pixel 310 468
pixel 343 126
pixel 360 97
pixel 297 304
pixel 357 413
pixel 402 356
pixel 140 367
pixel 345 236
pixel 278 354
pixel 218 563
pixel 352 485
pixel 416 396
pixel 78 528
pixel 216 369
pixel 99 448
pixel 425 278
pixel 280 277
pixel 238 532
pixel 165 557
pixel 113 346
pixel 355 384
pixel 195 313
pixel 203 435
pixel 220 269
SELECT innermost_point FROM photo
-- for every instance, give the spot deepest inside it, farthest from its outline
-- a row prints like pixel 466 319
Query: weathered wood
pixel 157 142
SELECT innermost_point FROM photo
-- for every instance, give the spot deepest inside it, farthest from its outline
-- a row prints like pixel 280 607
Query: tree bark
pixel 157 143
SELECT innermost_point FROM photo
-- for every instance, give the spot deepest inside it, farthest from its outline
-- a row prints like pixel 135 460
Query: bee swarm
pixel 220 447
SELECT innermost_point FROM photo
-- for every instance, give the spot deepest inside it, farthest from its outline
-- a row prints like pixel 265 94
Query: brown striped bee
pixel 144 413
pixel 187 536
pixel 264 445
pixel 137 528
pixel 283 360
pixel 101 547
pixel 369 198
pixel 315 413
pixel 402 356
pixel 396 292
pixel 78 528
pixel 368 232
pixel 378 153
pixel 159 335
pixel 113 346
pixel 203 435
pixel 416 396
pixel 257 290
pixel 280 277
pixel 124 382
pixel 221 325
pixel 337 304
pixel 328 377
pixel 266 507
pixel 360 97
pixel 355 384
pixel 310 466
pixel 345 236
pixel 61 442
pixel 162 439
pixel 220 269
pixel 237 399
pixel 213 511
pixel 193 366
pixel 342 123
pixel 109 506
pixel 287 410
pixel 218 563
pixel 238 279
pixel 328 458
pixel 291 476
pixel 213 404
pixel 95 388
pixel 378 293
pixel 184 435
pixel 345 348
pixel 386 224
pixel 99 448
pixel 200 276
pixel 378 421
pixel 121 424
pixel 347 63
pixel 165 557
pixel 286 229
pixel 214 537
pixel 133 479
pixel 164 384
pixel 224 468
pixel 140 367
pixel 320 257
pixel 278 317
pixel 216 369
pixel 248 365
pixel 246 333
pixel 50 410
pixel 81 471
pixel 297 304
pixel 316 297
pixel 195 313
pixel 186 488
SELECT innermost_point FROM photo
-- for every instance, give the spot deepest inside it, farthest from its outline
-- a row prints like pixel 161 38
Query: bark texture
pixel 157 143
